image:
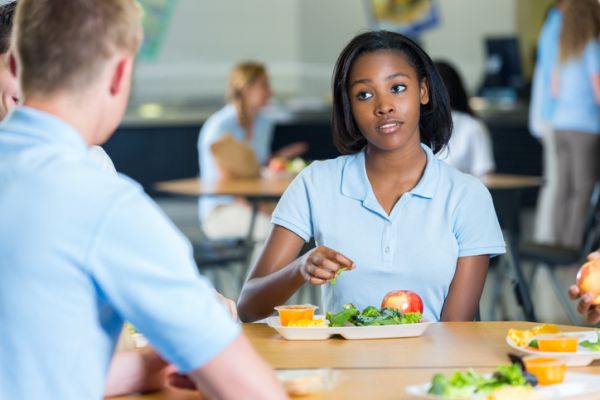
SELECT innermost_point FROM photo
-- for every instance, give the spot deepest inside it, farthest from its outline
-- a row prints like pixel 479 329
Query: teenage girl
pixel 387 211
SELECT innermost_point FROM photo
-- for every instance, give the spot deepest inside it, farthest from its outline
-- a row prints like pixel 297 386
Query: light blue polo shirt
pixel 576 106
pixel 446 216
pixel 218 125
pixel 81 250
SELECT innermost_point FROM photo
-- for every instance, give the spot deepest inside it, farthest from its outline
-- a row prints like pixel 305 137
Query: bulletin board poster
pixel 409 17
pixel 157 15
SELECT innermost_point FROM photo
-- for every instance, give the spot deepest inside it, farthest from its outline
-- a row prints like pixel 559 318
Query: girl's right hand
pixel 322 263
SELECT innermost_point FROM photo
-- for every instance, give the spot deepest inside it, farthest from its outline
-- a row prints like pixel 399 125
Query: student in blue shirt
pixel 388 211
pixel 244 119
pixel 541 110
pixel 576 119
pixel 131 371
pixel 83 249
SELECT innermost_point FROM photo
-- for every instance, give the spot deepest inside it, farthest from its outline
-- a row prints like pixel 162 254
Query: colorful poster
pixel 409 17
pixel 157 14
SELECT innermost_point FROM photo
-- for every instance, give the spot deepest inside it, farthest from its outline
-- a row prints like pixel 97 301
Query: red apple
pixel 588 279
pixel 277 164
pixel 403 301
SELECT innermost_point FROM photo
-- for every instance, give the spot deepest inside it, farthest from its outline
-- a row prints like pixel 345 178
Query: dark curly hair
pixel 435 122
pixel 7 11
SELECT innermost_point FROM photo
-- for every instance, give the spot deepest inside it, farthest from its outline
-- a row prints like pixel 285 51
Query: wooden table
pixel 254 190
pixel 511 182
pixel 263 188
pixel 274 187
pixel 381 369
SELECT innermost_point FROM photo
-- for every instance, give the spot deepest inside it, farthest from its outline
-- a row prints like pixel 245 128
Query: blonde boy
pixel 82 249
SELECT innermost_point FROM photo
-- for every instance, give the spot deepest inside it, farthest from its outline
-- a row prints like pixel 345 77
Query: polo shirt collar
pixel 44 127
pixel 356 185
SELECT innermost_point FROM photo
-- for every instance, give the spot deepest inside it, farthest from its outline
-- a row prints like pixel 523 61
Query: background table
pixel 381 369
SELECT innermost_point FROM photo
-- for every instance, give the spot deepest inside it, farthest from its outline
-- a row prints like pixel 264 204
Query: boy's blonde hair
pixel 243 75
pixel 62 45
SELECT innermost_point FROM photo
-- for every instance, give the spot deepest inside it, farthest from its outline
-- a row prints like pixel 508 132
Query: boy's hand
pixel 229 305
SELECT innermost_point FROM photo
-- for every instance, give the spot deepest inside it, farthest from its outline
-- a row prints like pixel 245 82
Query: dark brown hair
pixel 435 122
pixel 457 93
pixel 7 12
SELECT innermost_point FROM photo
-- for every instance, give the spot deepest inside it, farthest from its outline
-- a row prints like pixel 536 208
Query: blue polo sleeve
pixel 293 210
pixel 476 225
pixel 144 268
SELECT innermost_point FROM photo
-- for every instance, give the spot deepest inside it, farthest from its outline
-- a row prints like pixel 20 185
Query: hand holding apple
pixel 404 301
pixel 585 307
pixel 588 279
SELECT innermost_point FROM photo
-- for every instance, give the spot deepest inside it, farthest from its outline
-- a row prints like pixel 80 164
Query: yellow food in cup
pixel 514 393
pixel 307 323
pixel 522 338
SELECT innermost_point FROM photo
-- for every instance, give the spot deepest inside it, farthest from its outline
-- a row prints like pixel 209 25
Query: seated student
pixel 470 147
pixel 130 371
pixel 388 211
pixel 84 249
pixel 241 122
pixel 585 307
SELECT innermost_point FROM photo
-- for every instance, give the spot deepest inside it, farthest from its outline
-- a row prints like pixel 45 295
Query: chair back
pixel 591 231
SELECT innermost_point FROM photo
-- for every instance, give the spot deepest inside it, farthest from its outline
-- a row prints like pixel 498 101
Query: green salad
pixel 370 316
pixel 465 384
pixel 594 346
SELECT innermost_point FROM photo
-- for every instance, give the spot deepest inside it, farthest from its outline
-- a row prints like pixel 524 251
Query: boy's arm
pixel 136 371
pixel 238 372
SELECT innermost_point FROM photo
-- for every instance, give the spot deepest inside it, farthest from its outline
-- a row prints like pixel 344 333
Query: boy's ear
pixel 12 64
pixel 120 74
pixel 424 92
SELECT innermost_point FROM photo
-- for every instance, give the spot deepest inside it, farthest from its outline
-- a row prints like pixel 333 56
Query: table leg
pixel 249 241
pixel 507 203
pixel 521 286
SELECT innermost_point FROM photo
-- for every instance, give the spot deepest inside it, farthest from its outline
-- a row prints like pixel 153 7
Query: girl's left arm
pixel 465 290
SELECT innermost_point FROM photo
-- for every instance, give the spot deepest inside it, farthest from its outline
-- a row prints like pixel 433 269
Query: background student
pixel 470 146
pixel 242 119
pixel 576 120
pixel 103 250
pixel 541 110
pixel 388 210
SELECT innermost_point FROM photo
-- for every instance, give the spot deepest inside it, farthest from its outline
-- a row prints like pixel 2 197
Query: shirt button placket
pixel 386 245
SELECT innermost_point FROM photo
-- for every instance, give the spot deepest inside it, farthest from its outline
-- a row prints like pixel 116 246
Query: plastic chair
pixel 212 255
pixel 555 257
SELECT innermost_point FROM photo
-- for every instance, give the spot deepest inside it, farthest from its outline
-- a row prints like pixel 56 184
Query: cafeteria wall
pixel 300 39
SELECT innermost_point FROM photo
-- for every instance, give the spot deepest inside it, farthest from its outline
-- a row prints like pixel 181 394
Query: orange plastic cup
pixel 295 313
pixel 557 343
pixel 547 370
